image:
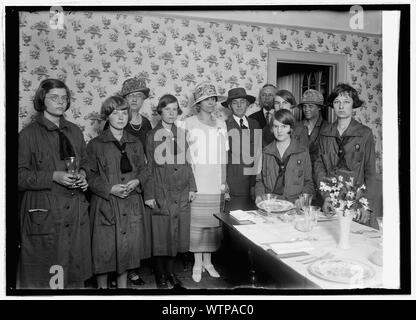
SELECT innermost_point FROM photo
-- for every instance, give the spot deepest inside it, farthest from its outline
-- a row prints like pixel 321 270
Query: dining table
pixel 307 260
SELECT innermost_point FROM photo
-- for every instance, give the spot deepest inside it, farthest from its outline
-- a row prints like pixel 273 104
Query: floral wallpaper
pixel 96 51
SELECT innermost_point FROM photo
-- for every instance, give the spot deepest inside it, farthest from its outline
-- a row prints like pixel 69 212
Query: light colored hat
pixel 312 96
pixel 205 90
pixel 134 85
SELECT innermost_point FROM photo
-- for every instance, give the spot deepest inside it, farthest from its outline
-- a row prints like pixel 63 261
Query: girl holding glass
pixel 54 224
pixel 117 172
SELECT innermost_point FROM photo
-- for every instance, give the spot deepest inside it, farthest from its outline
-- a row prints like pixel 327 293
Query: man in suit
pixel 245 136
pixel 266 102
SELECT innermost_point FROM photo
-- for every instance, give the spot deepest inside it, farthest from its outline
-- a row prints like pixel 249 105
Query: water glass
pixel 72 165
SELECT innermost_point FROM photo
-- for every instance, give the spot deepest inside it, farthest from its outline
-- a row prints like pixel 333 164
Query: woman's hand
pixel 64 178
pixel 119 190
pixel 192 196
pixel 151 203
pixel 132 184
pixel 81 181
pixel 327 207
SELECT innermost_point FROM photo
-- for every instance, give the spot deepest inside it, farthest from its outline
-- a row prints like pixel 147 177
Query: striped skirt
pixel 206 231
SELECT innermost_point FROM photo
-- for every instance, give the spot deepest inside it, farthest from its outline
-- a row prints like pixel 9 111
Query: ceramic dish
pixel 342 271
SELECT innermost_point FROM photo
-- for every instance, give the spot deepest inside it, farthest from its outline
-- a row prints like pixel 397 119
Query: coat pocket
pixel 40 222
pixel 106 214
pixel 354 159
pixel 42 160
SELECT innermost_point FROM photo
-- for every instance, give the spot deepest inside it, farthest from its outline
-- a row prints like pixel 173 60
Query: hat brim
pixel 249 98
pixel 145 91
pixel 219 99
pixel 310 102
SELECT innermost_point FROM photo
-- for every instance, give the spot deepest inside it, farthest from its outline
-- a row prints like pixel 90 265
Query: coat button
pixel 176 201
pixel 72 194
pixel 124 232
pixel 67 225
pixel 67 207
pixel 176 169
pixel 124 214
pixel 122 178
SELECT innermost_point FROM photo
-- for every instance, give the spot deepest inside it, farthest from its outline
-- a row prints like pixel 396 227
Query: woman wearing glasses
pixel 346 147
pixel 54 225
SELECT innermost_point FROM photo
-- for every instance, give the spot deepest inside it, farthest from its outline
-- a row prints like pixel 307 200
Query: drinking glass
pixel 72 167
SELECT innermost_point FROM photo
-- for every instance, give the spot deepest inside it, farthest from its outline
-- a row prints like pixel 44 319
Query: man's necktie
pixel 242 126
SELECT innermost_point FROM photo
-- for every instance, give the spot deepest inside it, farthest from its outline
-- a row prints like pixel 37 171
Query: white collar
pixel 271 111
pixel 237 119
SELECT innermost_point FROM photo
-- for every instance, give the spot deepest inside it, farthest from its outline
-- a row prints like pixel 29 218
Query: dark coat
pixel 313 138
pixel 241 184
pixel 119 236
pixel 259 117
pixel 169 184
pixel 298 175
pixel 359 155
pixel 59 232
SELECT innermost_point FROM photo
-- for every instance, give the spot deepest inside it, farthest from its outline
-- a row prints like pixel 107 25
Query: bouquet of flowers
pixel 345 195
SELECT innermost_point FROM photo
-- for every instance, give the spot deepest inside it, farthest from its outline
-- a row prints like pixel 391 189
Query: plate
pixel 322 216
pixel 275 205
pixel 342 271
pixel 377 258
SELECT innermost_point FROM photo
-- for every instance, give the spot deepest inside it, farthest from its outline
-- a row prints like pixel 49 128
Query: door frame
pixel 337 62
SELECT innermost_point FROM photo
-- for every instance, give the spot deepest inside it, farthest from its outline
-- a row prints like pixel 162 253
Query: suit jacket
pixel 313 138
pixel 259 117
pixel 239 181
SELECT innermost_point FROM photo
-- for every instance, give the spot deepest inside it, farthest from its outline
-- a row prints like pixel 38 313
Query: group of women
pixel 153 192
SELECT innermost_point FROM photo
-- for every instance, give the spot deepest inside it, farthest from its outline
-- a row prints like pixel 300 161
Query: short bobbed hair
pixel 286 117
pixel 164 101
pixel 287 96
pixel 114 103
pixel 44 87
pixel 343 88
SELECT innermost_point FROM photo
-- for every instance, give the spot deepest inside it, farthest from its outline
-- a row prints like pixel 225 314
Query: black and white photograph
pixel 249 150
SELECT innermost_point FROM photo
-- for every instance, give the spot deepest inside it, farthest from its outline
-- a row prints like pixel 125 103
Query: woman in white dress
pixel 207 138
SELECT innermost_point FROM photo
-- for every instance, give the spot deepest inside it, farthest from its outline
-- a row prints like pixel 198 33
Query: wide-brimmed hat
pixel 312 96
pixel 134 85
pixel 205 90
pixel 237 93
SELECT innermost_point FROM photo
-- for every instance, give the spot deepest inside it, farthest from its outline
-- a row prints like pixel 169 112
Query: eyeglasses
pixel 56 98
pixel 236 103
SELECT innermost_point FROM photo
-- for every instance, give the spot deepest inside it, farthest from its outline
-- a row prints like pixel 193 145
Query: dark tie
pixel 341 141
pixel 125 165
pixel 65 147
pixel 268 117
pixel 242 126
pixel 280 181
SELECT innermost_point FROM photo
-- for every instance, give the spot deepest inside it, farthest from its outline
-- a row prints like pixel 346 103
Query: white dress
pixel 208 148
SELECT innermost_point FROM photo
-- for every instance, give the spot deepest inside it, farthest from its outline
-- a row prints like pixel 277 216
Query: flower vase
pixel 344 219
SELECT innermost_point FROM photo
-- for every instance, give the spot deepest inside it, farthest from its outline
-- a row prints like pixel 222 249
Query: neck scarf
pixel 65 147
pixel 125 165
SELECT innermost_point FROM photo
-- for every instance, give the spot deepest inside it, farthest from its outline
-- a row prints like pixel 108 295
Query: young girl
pixel 286 166
pixel 117 170
pixel 169 191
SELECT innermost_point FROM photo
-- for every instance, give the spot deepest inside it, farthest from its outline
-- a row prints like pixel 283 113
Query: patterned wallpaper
pixel 96 51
